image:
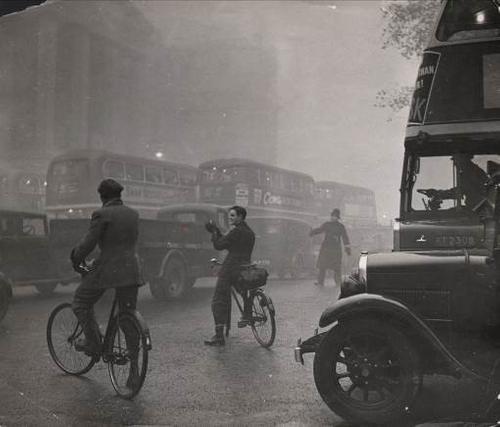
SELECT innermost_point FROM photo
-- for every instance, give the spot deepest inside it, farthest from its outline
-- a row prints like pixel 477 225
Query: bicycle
pixel 263 322
pixel 63 329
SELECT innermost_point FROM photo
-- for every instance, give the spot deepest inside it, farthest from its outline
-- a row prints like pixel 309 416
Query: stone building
pixel 78 74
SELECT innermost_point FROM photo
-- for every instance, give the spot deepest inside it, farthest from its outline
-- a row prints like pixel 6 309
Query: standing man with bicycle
pixel 114 228
pixel 239 243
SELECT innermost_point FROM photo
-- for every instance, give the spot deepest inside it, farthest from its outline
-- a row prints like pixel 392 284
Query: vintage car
pixel 432 306
pixel 175 248
pixel 26 257
pixel 283 246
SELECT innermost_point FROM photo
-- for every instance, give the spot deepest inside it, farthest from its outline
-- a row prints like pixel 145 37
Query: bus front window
pixel 68 176
pixel 451 182
pixel 434 177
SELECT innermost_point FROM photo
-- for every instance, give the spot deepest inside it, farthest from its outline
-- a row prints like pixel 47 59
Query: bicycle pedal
pixel 244 323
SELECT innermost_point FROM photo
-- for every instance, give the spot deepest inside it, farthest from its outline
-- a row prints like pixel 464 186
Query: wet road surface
pixel 187 382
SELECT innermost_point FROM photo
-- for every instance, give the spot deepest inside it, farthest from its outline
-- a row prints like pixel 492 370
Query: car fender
pixel 171 254
pixel 436 354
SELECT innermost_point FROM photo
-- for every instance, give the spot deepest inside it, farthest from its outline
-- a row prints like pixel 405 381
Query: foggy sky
pixel 330 66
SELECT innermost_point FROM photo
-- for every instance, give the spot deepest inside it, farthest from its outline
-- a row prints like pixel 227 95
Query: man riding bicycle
pixel 114 228
pixel 239 243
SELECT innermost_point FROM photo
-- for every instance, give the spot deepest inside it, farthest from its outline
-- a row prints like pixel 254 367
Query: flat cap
pixel 109 187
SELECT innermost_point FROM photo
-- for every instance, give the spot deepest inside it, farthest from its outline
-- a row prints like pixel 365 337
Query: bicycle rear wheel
pixel 263 322
pixel 127 355
pixel 63 329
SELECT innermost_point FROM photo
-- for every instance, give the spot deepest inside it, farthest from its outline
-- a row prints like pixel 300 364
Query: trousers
pixel 83 306
pixel 221 300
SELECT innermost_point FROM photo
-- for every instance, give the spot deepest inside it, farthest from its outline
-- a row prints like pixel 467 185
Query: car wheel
pixel 367 371
pixel 175 281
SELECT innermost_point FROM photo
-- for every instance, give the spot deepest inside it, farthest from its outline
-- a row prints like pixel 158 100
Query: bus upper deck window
pixel 170 176
pixel 188 178
pixel 467 19
pixel 153 174
pixel 29 184
pixel 134 172
pixel 114 169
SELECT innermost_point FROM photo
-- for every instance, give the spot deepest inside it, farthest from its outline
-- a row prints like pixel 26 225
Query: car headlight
pixel 362 265
pixel 355 283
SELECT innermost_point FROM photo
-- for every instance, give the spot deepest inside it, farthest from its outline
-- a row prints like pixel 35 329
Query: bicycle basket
pixel 253 277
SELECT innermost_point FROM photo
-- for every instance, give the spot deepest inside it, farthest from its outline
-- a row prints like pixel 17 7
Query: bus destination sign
pixel 423 85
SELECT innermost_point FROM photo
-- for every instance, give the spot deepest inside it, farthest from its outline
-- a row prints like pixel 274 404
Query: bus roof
pixel 334 184
pixel 211 207
pixel 278 218
pixel 231 162
pixel 96 154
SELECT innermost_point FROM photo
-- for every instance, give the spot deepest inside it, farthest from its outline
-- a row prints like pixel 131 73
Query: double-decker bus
pixel 263 189
pixel 149 184
pixel 356 204
pixel 452 144
pixel 358 213
pixel 21 190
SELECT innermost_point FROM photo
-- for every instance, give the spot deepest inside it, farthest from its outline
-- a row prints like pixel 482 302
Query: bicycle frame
pixel 107 334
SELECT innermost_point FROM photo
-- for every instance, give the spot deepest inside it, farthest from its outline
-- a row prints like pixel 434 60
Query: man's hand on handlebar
pixel 84 267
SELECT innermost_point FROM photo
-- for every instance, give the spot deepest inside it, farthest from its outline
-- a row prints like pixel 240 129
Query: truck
pixel 175 249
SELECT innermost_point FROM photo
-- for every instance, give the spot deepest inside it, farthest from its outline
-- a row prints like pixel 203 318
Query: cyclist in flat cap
pixel 114 228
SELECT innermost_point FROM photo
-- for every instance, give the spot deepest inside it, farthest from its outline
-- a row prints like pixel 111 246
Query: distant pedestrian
pixel 330 254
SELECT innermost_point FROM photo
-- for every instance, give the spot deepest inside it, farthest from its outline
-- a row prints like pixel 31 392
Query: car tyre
pixel 367 371
pixel 175 279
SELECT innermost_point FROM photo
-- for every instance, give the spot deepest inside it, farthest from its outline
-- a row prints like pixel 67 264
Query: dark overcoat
pixel 239 243
pixel 330 254
pixel 114 229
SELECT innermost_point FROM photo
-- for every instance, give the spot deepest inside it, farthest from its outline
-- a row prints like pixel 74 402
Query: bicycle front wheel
pixel 63 329
pixel 127 355
pixel 263 322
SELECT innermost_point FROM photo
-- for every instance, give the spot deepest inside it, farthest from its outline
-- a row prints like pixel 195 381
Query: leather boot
pixel 218 338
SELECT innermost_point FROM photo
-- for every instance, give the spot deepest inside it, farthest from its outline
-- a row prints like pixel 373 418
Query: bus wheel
pixel 175 280
pixel 46 289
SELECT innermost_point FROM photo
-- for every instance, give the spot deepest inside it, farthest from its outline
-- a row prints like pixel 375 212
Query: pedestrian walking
pixel 330 254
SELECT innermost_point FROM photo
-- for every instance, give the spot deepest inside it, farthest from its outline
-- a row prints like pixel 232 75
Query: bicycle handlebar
pixel 83 268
